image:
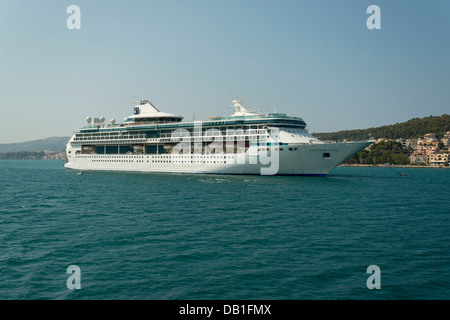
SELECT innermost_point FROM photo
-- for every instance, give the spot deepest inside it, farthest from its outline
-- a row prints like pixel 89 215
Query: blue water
pixel 179 236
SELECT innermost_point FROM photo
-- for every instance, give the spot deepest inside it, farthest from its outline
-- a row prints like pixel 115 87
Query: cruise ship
pixel 247 142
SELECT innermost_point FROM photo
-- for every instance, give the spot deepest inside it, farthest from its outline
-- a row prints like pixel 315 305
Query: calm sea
pixel 180 236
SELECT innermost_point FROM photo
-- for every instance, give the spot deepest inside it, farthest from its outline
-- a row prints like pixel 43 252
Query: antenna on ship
pixel 231 100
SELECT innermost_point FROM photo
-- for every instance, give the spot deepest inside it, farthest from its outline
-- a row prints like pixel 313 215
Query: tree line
pixel 391 152
pixel 23 155
pixel 411 129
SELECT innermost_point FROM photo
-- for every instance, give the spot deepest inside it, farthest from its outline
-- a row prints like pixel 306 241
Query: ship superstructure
pixel 247 142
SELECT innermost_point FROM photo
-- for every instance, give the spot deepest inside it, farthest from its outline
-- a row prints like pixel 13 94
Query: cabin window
pixel 326 155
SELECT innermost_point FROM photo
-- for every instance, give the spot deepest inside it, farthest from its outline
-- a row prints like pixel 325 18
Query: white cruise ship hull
pixel 293 159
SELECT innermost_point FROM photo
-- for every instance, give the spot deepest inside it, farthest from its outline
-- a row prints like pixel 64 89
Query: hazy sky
pixel 314 59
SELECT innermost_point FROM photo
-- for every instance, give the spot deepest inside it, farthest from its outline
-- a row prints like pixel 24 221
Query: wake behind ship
pixel 246 142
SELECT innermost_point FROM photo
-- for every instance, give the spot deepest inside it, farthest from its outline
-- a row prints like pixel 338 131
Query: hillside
pixel 55 144
pixel 411 129
pixel 380 153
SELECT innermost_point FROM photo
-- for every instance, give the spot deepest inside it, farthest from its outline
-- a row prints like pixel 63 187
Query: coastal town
pixel 429 150
pixel 425 151
pixel 34 155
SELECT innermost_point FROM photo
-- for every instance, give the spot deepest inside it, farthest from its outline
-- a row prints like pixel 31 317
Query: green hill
pixel 55 144
pixel 411 129
pixel 383 152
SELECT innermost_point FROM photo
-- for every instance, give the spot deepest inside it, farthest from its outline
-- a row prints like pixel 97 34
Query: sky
pixel 315 59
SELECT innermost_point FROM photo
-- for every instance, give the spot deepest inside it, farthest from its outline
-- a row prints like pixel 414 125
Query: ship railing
pixel 110 137
pixel 211 138
pixel 110 141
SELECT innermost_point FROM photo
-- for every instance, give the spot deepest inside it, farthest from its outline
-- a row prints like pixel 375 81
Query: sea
pixel 372 233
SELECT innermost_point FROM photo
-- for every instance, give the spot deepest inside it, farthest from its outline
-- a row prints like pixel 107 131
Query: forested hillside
pixel 383 152
pixel 411 129
pixel 56 144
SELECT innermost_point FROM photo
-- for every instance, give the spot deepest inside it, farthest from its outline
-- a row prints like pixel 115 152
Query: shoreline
pixel 391 166
pixel 341 165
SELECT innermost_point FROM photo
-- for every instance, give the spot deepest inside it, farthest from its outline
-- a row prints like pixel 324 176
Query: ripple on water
pixel 162 236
